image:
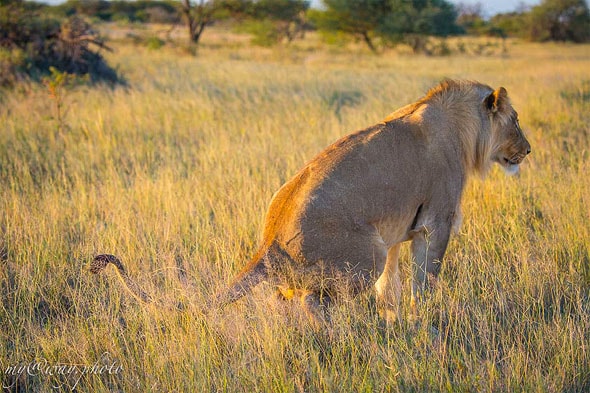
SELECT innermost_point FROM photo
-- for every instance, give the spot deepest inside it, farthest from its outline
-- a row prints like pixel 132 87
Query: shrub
pixel 30 44
pixel 263 32
pixel 57 85
pixel 560 20
pixel 12 66
pixel 154 43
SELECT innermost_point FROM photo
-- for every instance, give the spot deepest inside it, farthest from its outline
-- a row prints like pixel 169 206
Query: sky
pixel 490 8
pixel 498 6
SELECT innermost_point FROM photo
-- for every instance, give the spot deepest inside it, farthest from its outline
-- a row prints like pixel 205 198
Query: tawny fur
pixel 337 225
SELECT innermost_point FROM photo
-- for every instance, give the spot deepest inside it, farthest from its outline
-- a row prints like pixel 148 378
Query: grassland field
pixel 173 174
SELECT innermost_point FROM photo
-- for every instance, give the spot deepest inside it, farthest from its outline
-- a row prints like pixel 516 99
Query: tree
pixel 394 21
pixel 470 18
pixel 560 20
pixel 413 21
pixel 286 17
pixel 202 13
pixel 198 16
pixel 360 18
pixel 513 24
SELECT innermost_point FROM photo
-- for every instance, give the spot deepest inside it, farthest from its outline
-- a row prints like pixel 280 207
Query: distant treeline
pixel 35 37
pixel 385 21
pixel 551 20
pixel 142 11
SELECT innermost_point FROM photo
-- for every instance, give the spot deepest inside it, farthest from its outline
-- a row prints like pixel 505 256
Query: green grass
pixel 174 174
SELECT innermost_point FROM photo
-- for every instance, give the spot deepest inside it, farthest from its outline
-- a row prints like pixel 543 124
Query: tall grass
pixel 174 174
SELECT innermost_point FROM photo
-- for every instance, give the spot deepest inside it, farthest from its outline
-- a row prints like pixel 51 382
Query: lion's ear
pixel 495 99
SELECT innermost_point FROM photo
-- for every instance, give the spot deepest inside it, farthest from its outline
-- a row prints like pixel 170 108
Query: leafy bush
pixel 57 85
pixel 391 21
pixel 263 32
pixel 12 66
pixel 560 20
pixel 154 43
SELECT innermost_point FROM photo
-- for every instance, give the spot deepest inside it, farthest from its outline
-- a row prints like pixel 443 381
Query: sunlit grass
pixel 174 174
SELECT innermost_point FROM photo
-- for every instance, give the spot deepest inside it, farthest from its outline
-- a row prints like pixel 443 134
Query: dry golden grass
pixel 174 173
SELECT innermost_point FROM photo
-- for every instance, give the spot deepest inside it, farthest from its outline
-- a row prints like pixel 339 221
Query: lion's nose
pixel 528 148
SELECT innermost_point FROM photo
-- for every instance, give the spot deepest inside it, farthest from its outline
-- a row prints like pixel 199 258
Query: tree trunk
pixel 368 41
pixel 196 19
pixel 417 42
pixel 197 31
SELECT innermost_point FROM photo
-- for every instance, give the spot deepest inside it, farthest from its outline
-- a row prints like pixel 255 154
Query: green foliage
pixel 59 81
pixel 514 24
pixel 552 20
pixel 432 17
pixel 470 18
pixel 263 32
pixel 412 22
pixel 360 18
pixel 154 43
pixel 560 20
pixel 334 38
pixel 392 21
pixel 279 19
pixel 285 10
pixel 58 84
pixel 156 11
pixel 13 65
pixel 200 14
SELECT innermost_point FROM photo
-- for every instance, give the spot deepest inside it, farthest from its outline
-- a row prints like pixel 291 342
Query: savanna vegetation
pixel 173 170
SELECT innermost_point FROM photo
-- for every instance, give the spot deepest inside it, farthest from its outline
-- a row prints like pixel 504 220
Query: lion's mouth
pixel 511 165
pixel 511 161
pixel 515 159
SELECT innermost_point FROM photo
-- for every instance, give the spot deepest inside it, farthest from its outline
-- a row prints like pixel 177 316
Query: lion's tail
pixel 100 262
pixel 253 274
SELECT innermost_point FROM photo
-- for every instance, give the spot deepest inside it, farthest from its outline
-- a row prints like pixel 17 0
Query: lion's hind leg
pixel 315 308
pixel 316 316
pixel 389 288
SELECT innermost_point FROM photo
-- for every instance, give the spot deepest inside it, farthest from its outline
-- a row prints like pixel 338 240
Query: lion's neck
pixel 459 123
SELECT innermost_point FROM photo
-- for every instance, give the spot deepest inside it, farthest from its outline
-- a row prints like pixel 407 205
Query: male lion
pixel 338 224
pixel 340 221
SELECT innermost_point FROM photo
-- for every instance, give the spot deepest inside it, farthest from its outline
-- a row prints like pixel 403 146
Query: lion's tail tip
pixel 100 262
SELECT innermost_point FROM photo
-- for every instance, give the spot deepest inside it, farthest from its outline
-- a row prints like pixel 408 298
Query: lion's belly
pixel 393 230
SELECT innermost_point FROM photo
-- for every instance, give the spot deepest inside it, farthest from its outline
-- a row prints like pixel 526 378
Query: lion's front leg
pixel 428 248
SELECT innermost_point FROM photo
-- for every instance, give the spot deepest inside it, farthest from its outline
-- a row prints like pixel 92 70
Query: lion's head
pixel 509 146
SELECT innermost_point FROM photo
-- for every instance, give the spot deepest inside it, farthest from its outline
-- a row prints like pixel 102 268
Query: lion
pixel 338 224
